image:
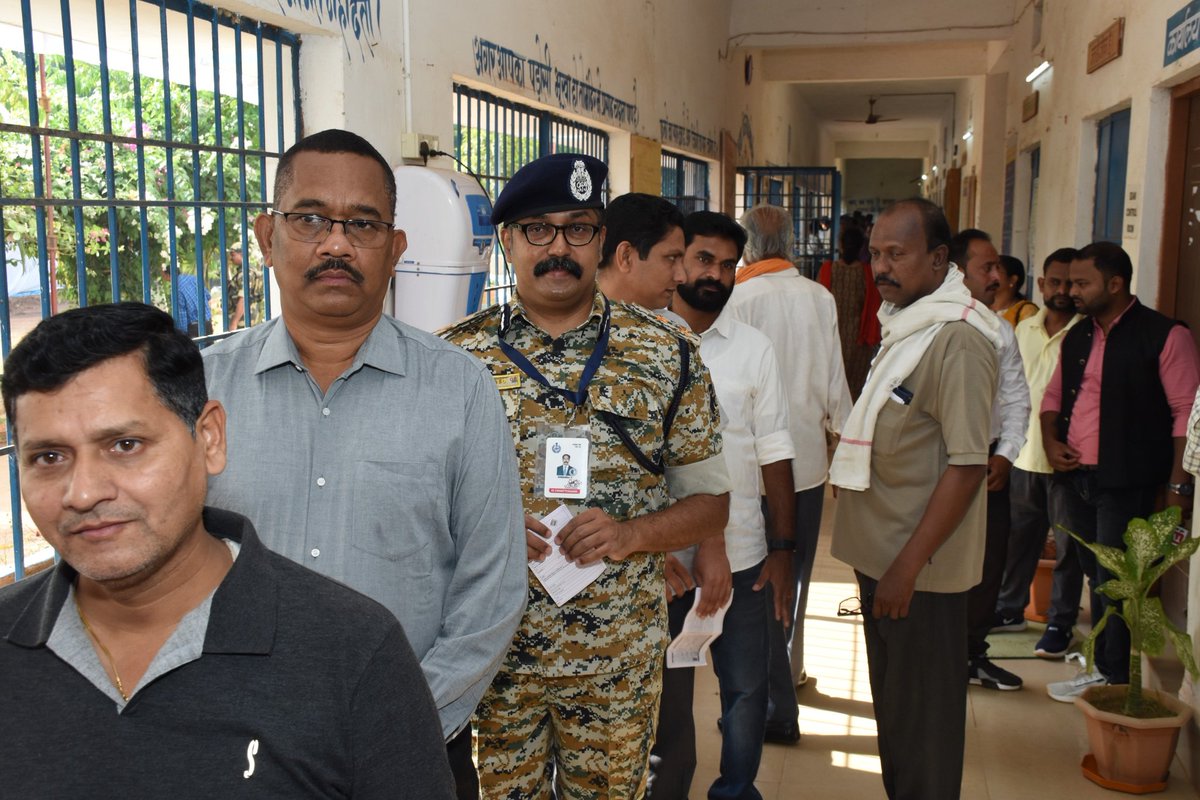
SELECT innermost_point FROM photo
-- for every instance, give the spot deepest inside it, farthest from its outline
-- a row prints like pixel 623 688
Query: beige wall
pixel 1070 104
pixel 666 60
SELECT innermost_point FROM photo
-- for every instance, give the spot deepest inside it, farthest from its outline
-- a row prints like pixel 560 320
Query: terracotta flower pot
pixel 1040 590
pixel 1131 754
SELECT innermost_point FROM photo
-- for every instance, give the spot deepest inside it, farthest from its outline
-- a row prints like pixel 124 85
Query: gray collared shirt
pixel 400 481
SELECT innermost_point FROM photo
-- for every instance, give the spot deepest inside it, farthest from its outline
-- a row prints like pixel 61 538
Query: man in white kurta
pixel 799 316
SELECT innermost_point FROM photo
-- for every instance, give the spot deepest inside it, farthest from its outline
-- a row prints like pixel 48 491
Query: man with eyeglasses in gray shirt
pixel 365 449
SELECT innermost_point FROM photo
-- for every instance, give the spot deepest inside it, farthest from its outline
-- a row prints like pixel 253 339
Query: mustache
pixel 332 264
pixel 569 265
pixel 883 280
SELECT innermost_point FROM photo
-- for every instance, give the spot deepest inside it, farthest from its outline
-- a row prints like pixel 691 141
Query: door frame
pixel 1172 230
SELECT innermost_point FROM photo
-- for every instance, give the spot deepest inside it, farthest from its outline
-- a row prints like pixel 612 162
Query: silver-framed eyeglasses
pixel 540 234
pixel 307 227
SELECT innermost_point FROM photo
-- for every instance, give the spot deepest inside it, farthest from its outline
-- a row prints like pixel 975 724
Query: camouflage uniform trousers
pixel 589 735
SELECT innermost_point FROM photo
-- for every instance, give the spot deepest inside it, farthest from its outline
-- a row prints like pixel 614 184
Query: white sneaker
pixel 1067 691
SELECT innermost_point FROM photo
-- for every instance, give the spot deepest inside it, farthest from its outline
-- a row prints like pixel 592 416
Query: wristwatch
pixel 1182 489
pixel 781 544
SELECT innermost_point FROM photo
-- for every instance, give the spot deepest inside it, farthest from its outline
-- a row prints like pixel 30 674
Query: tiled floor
pixel 1020 745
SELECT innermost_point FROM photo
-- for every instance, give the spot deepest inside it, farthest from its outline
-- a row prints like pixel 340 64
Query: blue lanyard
pixel 579 396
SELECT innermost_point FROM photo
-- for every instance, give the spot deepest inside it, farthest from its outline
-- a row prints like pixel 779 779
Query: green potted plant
pixel 1132 731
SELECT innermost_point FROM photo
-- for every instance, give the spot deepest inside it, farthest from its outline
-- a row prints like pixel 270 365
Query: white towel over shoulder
pixel 907 334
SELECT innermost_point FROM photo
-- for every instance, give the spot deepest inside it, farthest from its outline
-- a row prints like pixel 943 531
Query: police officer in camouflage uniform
pixel 575 703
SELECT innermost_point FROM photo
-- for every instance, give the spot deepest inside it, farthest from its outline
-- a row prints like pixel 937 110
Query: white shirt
pixel 1010 410
pixel 754 427
pixel 799 316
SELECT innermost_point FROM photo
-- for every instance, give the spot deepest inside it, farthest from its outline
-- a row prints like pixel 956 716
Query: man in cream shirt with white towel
pixel 910 515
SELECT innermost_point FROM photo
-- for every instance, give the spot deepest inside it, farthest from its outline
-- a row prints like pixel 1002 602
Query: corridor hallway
pixel 1020 745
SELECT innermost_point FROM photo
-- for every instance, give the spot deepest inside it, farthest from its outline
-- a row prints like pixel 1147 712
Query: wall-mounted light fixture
pixel 967 136
pixel 1038 70
pixel 924 177
pixel 935 169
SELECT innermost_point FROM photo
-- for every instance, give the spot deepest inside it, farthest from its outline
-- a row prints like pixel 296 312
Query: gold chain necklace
pixel 112 662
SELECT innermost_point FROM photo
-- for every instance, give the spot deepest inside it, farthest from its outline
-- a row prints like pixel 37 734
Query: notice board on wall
pixel 645 166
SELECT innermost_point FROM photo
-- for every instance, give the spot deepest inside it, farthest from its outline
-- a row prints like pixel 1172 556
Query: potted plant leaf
pixel 1133 731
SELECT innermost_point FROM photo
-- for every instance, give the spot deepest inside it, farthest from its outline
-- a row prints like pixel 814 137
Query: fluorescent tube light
pixel 1038 70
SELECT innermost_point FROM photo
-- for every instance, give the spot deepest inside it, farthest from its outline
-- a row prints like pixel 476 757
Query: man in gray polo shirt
pixel 365 449
pixel 169 654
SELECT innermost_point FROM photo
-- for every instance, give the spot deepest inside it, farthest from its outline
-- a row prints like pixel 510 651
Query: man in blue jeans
pixel 1114 421
pixel 758 560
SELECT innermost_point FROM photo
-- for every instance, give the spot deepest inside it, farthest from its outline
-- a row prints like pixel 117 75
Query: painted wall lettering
pixel 670 133
pixel 503 65
pixel 358 20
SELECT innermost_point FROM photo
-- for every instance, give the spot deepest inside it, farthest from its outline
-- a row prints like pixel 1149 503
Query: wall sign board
pixel 1029 107
pixel 1107 46
pixel 1183 33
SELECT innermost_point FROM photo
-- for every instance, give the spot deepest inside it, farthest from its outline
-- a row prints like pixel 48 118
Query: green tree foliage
pixel 99 235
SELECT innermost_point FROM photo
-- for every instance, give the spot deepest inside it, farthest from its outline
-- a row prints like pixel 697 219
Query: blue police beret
pixel 558 182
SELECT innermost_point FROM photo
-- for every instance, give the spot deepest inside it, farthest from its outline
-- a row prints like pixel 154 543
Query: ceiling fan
pixel 872 117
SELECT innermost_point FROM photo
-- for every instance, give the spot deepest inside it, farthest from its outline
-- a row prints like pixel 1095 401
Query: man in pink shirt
pixel 1114 425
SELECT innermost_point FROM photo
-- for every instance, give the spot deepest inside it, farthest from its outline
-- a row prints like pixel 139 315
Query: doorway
pixel 1179 284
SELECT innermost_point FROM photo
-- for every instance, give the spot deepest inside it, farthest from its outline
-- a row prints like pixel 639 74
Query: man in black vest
pixel 1114 422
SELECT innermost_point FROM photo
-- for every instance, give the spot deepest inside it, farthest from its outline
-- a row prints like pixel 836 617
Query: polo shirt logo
pixel 581 182
pixel 251 752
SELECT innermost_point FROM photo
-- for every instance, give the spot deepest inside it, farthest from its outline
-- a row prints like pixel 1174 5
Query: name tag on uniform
pixel 510 381
pixel 566 474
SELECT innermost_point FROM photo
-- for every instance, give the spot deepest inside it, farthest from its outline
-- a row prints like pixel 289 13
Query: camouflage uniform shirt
pixel 620 619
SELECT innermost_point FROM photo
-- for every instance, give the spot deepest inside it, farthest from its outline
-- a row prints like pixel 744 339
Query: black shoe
pixel 778 734
pixel 982 672
pixel 1003 624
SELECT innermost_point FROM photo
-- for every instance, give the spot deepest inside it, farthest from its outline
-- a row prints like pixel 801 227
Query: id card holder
pixel 565 475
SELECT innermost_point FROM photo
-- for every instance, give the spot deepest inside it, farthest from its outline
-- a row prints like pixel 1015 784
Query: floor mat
pixel 1020 644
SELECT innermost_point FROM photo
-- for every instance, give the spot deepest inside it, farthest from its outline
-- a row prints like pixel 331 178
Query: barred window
pixel 136 143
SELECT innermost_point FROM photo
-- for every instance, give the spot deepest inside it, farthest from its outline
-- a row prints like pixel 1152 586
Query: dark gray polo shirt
pixel 304 688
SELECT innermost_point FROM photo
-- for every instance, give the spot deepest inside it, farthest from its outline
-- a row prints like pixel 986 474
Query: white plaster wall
pixel 822 21
pixel 1071 102
pixel 668 59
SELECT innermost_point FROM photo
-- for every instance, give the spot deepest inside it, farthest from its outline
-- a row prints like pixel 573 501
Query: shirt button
pixel 320 481
pixel 325 411
pixel 316 551
pixel 298 368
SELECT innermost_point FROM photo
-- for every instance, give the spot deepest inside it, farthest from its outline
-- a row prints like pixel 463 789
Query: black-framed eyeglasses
pixel 850 607
pixel 314 228
pixel 540 234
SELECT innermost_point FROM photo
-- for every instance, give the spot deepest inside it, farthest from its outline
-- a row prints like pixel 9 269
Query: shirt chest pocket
pixel 400 507
pixel 889 426
pixel 627 409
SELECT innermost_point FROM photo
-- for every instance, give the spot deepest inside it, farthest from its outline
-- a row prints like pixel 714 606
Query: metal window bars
pixel 685 182
pixel 129 147
pixel 495 137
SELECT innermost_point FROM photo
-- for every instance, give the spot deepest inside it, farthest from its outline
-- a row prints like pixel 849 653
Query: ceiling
pixel 916 56
pixel 915 102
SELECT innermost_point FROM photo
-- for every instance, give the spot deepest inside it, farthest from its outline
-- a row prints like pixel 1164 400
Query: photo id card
pixel 566 475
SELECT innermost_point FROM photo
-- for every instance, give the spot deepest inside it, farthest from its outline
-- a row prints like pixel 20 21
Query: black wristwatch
pixel 1182 489
pixel 781 544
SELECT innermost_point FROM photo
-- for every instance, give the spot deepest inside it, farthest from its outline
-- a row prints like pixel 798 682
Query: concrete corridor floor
pixel 1020 745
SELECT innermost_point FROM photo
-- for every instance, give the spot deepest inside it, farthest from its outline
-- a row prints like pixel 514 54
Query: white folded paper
pixel 690 647
pixel 562 579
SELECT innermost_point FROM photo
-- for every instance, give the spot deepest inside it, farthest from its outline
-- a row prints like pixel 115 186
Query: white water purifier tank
pixel 447 219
